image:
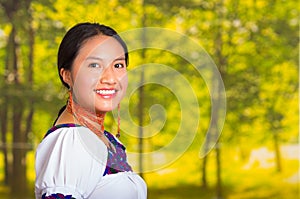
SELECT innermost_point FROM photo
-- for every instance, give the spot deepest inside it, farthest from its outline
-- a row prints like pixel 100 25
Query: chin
pixel 105 109
pixel 107 106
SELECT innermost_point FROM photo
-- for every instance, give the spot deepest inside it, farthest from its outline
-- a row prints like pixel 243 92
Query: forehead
pixel 101 45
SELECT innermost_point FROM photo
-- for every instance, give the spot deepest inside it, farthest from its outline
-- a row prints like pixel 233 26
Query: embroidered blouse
pixel 72 162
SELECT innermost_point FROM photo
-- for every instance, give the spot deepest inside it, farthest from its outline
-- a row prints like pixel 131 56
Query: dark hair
pixel 74 39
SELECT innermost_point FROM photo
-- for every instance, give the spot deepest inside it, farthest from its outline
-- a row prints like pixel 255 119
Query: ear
pixel 66 75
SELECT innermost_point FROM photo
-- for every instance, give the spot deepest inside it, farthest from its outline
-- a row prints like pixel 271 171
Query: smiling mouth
pixel 106 91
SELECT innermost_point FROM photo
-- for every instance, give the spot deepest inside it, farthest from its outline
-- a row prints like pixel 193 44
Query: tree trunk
pixel 204 174
pixel 141 122
pixel 31 35
pixel 16 177
pixel 221 63
pixel 4 115
pixel 19 181
pixel 4 148
pixel 205 159
pixel 277 152
pixel 219 178
pixel 141 97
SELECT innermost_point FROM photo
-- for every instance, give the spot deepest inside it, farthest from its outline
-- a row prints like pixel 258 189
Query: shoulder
pixel 69 160
pixel 73 139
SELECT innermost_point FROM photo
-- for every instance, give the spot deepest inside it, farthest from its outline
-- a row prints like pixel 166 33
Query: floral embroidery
pixel 116 161
pixel 57 196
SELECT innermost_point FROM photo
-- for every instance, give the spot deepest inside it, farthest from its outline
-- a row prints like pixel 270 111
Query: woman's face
pixel 99 76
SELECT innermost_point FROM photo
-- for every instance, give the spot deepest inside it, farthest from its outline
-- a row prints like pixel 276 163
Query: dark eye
pixel 119 65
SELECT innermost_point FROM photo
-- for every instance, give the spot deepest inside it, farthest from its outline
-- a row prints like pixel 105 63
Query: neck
pixel 92 120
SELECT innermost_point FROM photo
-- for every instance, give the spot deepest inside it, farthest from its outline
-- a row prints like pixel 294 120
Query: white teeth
pixel 106 92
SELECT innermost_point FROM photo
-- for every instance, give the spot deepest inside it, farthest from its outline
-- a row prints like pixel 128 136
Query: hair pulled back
pixel 73 41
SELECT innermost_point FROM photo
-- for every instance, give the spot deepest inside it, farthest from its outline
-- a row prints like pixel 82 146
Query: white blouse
pixel 72 161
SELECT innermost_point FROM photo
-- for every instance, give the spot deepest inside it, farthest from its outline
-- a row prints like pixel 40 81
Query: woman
pixel 78 158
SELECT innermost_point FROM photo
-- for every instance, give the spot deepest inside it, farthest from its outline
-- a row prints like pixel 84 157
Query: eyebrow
pixel 99 58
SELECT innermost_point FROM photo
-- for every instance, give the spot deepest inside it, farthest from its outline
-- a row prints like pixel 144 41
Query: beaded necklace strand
pixel 92 120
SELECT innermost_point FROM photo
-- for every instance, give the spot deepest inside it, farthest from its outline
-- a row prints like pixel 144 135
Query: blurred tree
pixel 278 30
pixel 15 104
pixel 18 94
pixel 254 44
pixel 243 38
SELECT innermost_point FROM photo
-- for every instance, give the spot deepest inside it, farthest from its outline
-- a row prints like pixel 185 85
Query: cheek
pixel 124 82
pixel 84 84
pixel 85 80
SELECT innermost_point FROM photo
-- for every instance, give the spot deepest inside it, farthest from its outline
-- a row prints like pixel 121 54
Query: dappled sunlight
pixel 219 112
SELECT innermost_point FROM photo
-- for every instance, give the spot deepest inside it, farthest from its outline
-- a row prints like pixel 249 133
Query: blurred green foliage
pixel 254 45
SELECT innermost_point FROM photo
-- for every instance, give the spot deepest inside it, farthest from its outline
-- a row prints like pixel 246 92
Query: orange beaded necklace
pixel 94 121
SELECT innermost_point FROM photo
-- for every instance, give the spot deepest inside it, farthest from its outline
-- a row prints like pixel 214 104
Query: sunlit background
pixel 254 45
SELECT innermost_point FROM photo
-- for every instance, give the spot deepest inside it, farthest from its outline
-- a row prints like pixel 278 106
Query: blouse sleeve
pixel 69 161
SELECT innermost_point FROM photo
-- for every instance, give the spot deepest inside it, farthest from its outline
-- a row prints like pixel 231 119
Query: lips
pixel 106 93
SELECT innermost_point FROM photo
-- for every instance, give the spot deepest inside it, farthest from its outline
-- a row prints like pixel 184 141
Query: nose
pixel 108 76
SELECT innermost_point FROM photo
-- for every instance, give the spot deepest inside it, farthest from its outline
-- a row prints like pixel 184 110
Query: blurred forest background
pixel 254 44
